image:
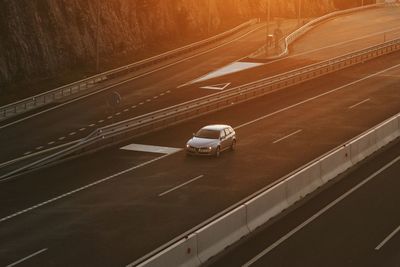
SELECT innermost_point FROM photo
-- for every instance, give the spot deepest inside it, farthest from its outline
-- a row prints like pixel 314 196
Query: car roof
pixel 216 127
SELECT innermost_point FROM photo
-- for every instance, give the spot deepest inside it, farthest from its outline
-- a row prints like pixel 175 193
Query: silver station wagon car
pixel 212 140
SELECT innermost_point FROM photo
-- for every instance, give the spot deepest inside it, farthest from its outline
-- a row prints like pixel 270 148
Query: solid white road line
pixel 287 136
pixel 315 97
pixel 359 103
pixel 83 188
pixel 27 258
pixel 387 239
pixel 179 186
pixel 318 214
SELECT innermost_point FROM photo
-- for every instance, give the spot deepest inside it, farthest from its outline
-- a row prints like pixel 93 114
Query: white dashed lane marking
pixel 51 143
pixel 287 136
pixel 71 134
pixel 27 258
pixel 82 129
pixel 181 185
pixel 27 153
pixel 100 121
pixel 359 103
pixel 39 148
pixel 61 138
pixel 92 125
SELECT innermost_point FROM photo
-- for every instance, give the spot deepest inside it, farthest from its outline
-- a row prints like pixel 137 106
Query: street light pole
pixel 299 13
pixel 268 13
pixel 208 19
pixel 97 35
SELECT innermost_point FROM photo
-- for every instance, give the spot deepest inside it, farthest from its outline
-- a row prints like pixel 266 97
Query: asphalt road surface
pixel 354 222
pixel 112 207
pixel 163 87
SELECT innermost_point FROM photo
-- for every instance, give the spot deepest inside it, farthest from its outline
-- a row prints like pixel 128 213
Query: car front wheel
pixel 233 145
pixel 218 152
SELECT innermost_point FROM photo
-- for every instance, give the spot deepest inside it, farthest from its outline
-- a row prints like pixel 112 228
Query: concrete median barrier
pixel 335 163
pixel 181 254
pixel 303 182
pixel 363 146
pixel 387 132
pixel 223 232
pixel 265 206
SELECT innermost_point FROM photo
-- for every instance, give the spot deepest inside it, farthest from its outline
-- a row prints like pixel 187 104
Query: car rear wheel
pixel 233 145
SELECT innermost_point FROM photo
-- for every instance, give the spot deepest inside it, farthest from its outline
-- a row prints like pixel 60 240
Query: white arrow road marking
pixel 229 69
pixel 220 86
pixel 151 149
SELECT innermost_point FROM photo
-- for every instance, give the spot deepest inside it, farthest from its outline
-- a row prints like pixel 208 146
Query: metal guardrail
pixel 309 26
pixel 42 99
pixel 109 135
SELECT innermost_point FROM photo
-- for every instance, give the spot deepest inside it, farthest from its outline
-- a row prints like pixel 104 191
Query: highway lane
pixel 354 222
pixel 160 88
pixel 106 208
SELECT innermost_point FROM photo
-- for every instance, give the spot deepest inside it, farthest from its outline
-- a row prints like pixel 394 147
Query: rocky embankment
pixel 42 39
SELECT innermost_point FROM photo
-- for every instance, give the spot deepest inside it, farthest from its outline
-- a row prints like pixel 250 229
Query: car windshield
pixel 209 134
